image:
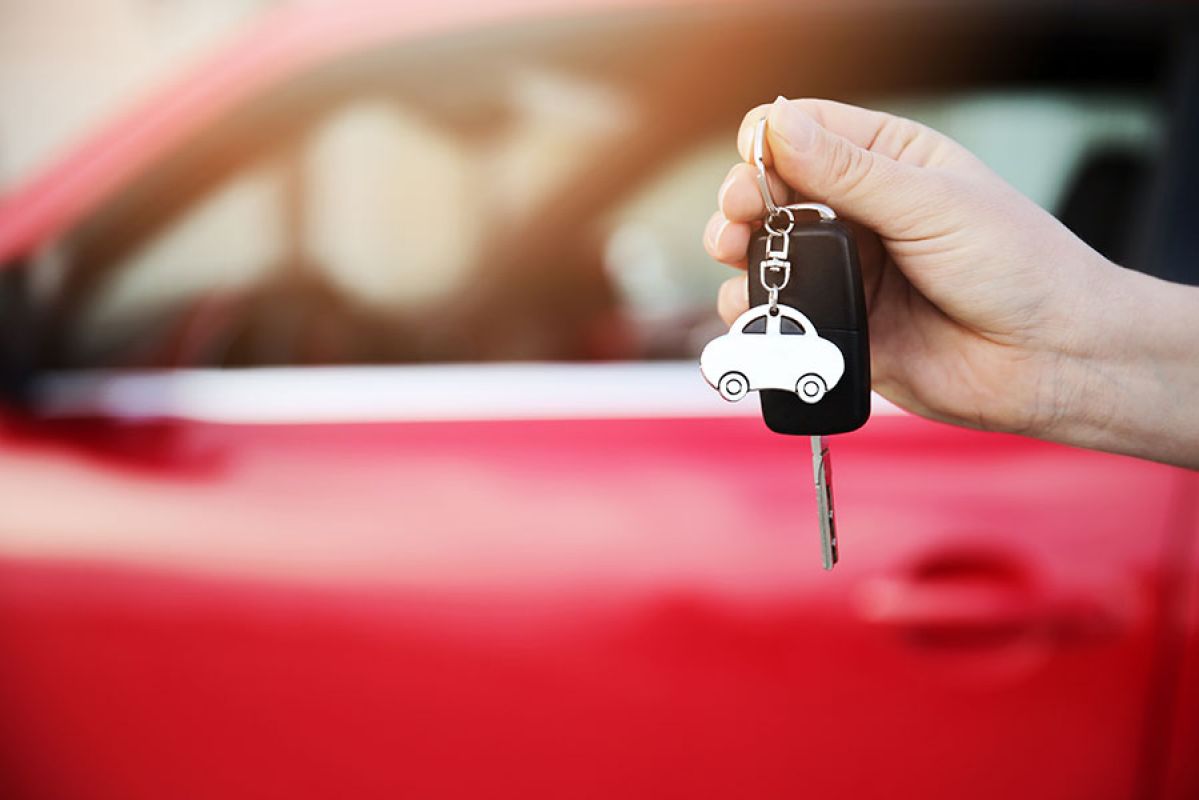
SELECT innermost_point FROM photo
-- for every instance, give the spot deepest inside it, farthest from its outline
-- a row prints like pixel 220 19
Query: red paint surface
pixel 1175 767
pixel 575 609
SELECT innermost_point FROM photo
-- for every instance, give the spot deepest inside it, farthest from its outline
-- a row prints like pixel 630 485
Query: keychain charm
pixel 772 347
pixel 803 345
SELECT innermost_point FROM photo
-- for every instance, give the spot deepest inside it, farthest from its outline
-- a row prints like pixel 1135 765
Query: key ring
pixel 773 209
pixel 780 212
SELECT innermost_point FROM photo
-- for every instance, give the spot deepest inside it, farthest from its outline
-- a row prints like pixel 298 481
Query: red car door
pixel 557 606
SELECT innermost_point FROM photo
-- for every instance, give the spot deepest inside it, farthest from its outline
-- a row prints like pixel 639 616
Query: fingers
pixel 830 168
pixel 727 241
pixel 745 134
pixel 726 237
pixel 885 134
pixel 859 125
pixel 865 164
pixel 733 299
pixel 740 198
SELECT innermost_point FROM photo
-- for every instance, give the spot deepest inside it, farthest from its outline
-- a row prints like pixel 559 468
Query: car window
pixel 244 214
pixel 377 233
pixel 378 215
pixel 355 207
pixel 378 181
pixel 788 326
pixel 757 325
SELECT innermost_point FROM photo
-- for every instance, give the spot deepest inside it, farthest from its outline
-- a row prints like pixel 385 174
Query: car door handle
pixel 980 601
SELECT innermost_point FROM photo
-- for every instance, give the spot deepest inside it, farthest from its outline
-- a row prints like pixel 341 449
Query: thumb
pixel 824 166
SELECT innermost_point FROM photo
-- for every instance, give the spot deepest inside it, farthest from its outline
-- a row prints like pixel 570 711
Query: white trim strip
pixel 396 393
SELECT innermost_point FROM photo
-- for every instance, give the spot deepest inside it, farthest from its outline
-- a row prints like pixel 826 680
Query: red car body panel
pixel 586 608
pixel 1179 691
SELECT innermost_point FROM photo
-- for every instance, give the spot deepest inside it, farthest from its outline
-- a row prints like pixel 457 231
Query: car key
pixel 822 470
pixel 823 279
pixel 811 367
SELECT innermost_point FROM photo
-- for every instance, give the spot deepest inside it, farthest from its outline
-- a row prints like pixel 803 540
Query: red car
pixel 354 443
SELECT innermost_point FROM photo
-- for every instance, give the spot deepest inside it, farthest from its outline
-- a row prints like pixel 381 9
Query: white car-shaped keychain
pixel 772 348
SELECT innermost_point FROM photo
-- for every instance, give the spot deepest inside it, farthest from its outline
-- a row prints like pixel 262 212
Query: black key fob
pixel 824 284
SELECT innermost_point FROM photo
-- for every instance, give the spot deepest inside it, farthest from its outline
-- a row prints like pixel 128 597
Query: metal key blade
pixel 822 470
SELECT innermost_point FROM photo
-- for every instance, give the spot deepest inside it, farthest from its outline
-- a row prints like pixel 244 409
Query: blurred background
pixel 352 440
pixel 358 179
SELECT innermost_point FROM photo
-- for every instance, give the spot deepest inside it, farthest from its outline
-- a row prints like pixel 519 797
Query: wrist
pixel 1127 377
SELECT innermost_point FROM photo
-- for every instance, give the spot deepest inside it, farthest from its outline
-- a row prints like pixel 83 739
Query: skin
pixel 985 311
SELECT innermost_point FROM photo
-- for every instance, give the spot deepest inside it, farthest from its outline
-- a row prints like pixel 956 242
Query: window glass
pixel 1040 142
pixel 755 326
pixel 229 239
pixel 379 182
pixel 788 326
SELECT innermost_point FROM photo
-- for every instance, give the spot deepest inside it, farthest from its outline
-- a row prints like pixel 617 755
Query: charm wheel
pixel 733 386
pixel 811 388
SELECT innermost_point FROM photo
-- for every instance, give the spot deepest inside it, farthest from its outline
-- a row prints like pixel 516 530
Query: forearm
pixel 1131 384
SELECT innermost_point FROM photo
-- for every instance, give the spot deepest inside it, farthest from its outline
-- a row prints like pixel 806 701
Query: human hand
pixel 984 310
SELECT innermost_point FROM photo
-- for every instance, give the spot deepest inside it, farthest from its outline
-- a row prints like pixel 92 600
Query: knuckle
pixel 849 168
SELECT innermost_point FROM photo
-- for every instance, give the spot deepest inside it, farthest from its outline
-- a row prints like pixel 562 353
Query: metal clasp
pixel 780 221
pixel 777 267
pixel 760 162
pixel 773 209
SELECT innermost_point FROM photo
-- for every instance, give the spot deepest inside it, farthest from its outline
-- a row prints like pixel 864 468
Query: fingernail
pixel 712 232
pixel 792 125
